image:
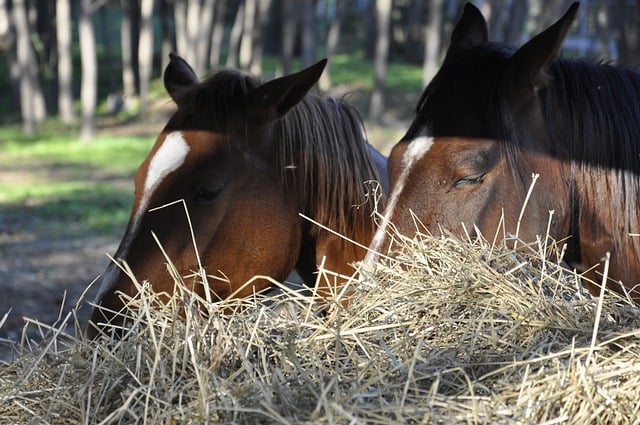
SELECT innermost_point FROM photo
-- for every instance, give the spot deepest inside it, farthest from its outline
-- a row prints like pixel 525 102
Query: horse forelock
pixel 323 155
pixel 216 103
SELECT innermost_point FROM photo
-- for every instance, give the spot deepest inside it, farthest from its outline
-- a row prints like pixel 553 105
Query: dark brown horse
pixel 492 117
pixel 245 158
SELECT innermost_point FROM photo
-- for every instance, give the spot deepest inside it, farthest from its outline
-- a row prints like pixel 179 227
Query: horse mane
pixel 319 147
pixel 591 112
pixel 324 155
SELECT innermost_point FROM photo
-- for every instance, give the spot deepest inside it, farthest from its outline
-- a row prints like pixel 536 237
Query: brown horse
pixel 245 159
pixel 491 118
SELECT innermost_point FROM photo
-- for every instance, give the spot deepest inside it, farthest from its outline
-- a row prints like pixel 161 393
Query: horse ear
pixel 276 97
pixel 471 30
pixel 526 69
pixel 178 76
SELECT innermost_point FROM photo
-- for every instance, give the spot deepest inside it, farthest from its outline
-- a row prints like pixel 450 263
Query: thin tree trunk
pixel 126 39
pixel 383 19
pixel 262 13
pixel 108 63
pixel 332 43
pixel 289 26
pixel 180 20
pixel 517 19
pixel 167 40
pixel 432 41
pixel 204 39
pixel 145 53
pixel 65 65
pixel 89 84
pixel 627 34
pixel 309 33
pixel 246 43
pixel 193 35
pixel 31 98
pixel 217 34
pixel 235 36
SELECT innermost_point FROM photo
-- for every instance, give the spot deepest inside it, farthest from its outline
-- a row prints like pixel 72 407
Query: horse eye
pixel 208 194
pixel 468 180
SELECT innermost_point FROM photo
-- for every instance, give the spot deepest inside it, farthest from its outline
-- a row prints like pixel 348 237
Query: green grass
pixel 354 68
pixel 63 185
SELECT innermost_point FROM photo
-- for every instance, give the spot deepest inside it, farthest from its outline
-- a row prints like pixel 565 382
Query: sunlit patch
pixel 417 148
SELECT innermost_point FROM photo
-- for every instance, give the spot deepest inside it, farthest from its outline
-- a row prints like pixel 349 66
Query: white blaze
pixel 168 158
pixel 417 148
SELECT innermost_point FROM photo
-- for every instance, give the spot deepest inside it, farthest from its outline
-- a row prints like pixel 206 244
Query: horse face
pixel 466 186
pixel 211 198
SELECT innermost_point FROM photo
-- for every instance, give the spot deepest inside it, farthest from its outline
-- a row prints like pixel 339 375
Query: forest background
pixel 66 58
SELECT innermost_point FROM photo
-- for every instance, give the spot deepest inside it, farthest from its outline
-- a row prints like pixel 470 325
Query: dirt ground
pixel 43 274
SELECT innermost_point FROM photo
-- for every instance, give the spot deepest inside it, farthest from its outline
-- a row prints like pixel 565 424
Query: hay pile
pixel 447 333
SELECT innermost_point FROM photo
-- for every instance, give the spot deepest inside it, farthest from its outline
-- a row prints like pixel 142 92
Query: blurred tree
pixel 66 112
pixel 217 34
pixel 625 18
pixel 205 29
pixel 309 32
pixel 32 105
pixel 333 38
pixel 246 41
pixel 128 44
pixel 235 36
pixel 383 19
pixel 89 83
pixel 289 26
pixel 168 44
pixel 145 53
pixel 257 44
pixel 432 42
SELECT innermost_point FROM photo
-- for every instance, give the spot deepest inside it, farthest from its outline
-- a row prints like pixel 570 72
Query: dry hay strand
pixel 447 332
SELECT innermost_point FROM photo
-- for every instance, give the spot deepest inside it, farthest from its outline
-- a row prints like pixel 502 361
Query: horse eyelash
pixel 468 180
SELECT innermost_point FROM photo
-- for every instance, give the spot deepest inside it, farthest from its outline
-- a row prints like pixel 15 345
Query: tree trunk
pixel 217 34
pixel 8 39
pixel 246 43
pixel 517 19
pixel 432 41
pixel 193 36
pixel 627 23
pixel 206 31
pixel 234 37
pixel 32 104
pixel 383 19
pixel 126 43
pixel 309 33
pixel 108 62
pixel 332 43
pixel 145 53
pixel 180 21
pixel 262 14
pixel 168 44
pixel 65 64
pixel 89 84
pixel 289 26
